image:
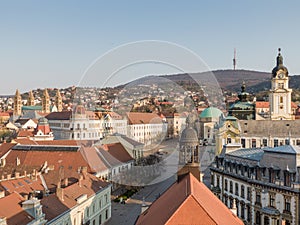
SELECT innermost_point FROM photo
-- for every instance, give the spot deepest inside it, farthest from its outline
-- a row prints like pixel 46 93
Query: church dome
pixel 189 135
pixel 211 112
pixel 79 110
pixel 279 65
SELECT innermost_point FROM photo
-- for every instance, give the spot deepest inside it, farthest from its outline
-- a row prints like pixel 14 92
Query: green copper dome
pixel 211 112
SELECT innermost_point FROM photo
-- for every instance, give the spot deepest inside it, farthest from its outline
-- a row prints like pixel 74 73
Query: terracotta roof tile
pixel 10 207
pixel 188 197
pixel 25 133
pixel 89 186
pixel 118 151
pixel 143 118
pixel 5 147
pixel 259 104
pixel 65 115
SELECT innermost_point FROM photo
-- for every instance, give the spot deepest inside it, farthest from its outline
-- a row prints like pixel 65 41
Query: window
pixel 266 220
pixel 236 189
pixel 243 191
pixel 281 99
pixel 218 181
pixel 87 212
pixel 100 219
pixel 272 200
pixel 231 187
pixel 253 143
pixel 257 218
pixel 242 210
pixel 226 185
pixel 287 141
pixel 228 140
pixel 258 198
pixel 243 142
pixel 248 213
pixel 275 142
pixel 287 204
pixel 106 214
pixel 265 142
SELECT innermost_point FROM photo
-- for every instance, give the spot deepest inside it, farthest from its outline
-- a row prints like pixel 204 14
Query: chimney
pixel 18 161
pixel 34 174
pixel 84 171
pixel 3 162
pixel 60 191
pixel 8 176
pixel 66 181
pixel 80 180
pixel 17 174
pixel 25 173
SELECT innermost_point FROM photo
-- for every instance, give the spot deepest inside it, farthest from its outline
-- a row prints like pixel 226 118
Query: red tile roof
pixel 25 133
pixel 67 159
pixel 143 118
pixel 188 201
pixel 4 114
pixel 54 206
pixel 5 147
pixel 10 207
pixel 259 104
pixel 118 151
pixel 65 115
pixel 21 185
pixel 262 104
pixel 94 160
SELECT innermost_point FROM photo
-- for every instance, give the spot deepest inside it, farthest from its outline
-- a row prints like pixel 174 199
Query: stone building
pixel 263 183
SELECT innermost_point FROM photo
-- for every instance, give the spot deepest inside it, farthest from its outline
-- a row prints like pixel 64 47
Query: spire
pixel 243 96
pixel 17 103
pixel 58 101
pixel 46 102
pixel 279 58
pixel 30 100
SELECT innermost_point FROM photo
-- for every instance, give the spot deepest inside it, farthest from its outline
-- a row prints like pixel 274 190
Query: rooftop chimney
pixel 60 191
pixel 80 180
pixel 66 182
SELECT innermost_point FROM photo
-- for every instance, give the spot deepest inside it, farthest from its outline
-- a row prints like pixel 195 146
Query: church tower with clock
pixel 280 94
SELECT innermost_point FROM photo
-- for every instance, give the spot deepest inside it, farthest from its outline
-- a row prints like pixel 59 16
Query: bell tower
pixel 46 102
pixel 17 104
pixel 280 94
pixel 30 101
pixel 189 155
pixel 58 101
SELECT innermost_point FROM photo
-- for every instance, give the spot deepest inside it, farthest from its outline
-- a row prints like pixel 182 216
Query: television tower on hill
pixel 234 59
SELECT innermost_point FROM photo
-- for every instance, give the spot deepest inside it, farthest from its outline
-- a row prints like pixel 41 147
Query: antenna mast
pixel 234 59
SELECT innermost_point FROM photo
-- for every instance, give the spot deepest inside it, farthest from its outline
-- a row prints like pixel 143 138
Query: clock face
pixel 281 75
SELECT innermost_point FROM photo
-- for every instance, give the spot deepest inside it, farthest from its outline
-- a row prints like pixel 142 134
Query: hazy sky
pixel 52 43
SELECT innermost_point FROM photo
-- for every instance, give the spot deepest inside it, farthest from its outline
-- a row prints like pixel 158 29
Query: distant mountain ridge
pixel 232 80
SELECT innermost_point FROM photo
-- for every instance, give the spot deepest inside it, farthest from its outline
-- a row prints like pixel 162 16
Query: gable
pixel 190 212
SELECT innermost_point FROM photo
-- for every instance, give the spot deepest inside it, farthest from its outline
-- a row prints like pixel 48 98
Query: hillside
pixel 231 80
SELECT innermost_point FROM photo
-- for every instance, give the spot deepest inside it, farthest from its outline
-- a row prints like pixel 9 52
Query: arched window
pixel 281 99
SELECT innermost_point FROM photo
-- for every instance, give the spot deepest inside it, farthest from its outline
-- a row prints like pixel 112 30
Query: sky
pixel 57 43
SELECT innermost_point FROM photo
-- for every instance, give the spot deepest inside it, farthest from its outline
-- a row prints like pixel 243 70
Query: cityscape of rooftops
pixel 149 113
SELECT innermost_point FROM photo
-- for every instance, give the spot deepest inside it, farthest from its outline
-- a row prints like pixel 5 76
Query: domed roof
pixel 211 112
pixel 279 65
pixel 189 135
pixel 43 121
pixel 79 109
pixel 242 106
